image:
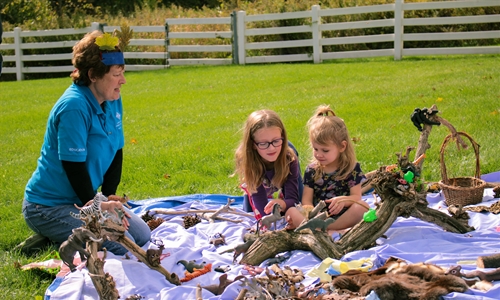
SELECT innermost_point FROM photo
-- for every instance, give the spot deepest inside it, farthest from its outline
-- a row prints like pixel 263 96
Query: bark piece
pixel 488 261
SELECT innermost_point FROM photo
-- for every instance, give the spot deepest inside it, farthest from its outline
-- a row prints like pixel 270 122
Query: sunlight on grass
pixel 185 122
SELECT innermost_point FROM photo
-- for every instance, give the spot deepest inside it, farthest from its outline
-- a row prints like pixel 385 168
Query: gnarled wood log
pixel 270 243
pixel 103 282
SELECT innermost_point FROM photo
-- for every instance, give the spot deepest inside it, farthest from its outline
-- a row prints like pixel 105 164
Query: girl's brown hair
pixel 250 166
pixel 325 127
pixel 87 59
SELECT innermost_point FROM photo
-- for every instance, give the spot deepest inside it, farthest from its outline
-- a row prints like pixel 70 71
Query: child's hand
pixel 269 207
pixel 335 206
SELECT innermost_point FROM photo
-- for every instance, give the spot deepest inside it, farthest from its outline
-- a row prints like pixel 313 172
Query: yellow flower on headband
pixel 107 42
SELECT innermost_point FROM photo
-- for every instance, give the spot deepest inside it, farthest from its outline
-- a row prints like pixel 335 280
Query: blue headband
pixel 113 58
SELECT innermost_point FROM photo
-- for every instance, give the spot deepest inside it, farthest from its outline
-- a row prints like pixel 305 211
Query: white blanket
pixel 410 239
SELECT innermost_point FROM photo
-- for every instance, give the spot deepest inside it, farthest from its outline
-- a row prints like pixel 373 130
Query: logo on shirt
pixel 76 149
pixel 118 116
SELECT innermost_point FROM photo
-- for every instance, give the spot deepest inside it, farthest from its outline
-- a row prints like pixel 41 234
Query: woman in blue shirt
pixel 82 149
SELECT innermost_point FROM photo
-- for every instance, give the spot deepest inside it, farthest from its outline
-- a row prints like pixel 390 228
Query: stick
pixel 242 294
pixel 222 209
pixel 211 218
pixel 198 292
pixel 141 255
pixel 190 211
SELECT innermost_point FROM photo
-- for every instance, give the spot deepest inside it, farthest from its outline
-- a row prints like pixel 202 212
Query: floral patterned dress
pixel 327 187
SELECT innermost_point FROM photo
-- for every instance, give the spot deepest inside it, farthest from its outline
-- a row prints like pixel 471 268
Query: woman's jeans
pixel 57 224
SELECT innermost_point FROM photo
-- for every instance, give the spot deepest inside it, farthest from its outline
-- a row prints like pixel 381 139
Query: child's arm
pixel 290 190
pixel 336 204
pixel 260 200
pixel 293 216
pixel 307 196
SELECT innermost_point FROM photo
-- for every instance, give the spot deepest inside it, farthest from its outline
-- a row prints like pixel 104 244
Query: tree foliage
pixel 16 12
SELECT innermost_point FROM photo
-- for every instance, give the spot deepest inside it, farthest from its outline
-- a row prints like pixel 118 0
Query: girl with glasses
pixel 334 175
pixel 266 163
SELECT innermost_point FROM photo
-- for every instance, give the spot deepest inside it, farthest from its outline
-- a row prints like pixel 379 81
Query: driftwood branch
pixel 224 208
pixel 103 282
pixel 361 236
pixel 199 292
pixel 190 211
pixel 212 218
pixel 271 243
pixel 423 144
pixel 488 261
pixel 141 255
pixel 213 214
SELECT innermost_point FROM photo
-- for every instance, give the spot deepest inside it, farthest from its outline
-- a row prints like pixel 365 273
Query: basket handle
pixel 448 138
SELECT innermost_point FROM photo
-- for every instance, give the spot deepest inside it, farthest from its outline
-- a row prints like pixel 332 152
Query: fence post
pixel 316 34
pixel 234 29
pixel 19 54
pixel 240 27
pixel 167 44
pixel 398 29
pixel 96 26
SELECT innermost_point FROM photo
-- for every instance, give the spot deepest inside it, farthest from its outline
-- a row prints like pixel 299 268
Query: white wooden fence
pixel 214 35
pixel 241 29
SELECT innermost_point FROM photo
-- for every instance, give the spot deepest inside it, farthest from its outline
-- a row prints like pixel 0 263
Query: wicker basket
pixel 461 190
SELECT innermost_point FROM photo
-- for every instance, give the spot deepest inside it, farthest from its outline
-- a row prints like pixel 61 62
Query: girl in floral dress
pixel 334 175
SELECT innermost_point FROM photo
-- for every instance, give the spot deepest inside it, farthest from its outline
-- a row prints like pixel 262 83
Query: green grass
pixel 186 123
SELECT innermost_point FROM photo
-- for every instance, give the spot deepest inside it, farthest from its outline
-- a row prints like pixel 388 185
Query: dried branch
pixel 141 255
pixel 211 218
pixel 103 282
pixel 190 211
pixel 199 292
pixel 224 208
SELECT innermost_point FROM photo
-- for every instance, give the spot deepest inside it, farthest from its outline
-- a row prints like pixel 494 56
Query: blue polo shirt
pixel 78 130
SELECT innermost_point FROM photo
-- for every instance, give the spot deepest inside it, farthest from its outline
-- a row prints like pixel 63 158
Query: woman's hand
pixel 335 206
pixel 111 206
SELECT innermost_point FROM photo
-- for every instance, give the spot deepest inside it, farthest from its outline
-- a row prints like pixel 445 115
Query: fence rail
pixel 242 39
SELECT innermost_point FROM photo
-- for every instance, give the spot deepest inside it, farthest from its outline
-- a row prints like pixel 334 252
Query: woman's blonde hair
pixel 88 57
pixel 250 166
pixel 325 127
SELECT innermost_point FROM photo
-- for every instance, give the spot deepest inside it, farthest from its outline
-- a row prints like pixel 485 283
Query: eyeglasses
pixel 265 145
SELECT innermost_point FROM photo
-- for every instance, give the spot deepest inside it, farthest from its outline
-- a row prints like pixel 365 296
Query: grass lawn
pixel 182 126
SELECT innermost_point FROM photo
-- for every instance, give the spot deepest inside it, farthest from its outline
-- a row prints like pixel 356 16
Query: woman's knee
pixel 139 230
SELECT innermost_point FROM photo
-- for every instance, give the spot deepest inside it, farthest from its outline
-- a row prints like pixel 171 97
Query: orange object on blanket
pixel 197 272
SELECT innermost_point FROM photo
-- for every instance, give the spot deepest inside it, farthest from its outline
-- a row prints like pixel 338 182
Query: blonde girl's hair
pixel 250 166
pixel 325 127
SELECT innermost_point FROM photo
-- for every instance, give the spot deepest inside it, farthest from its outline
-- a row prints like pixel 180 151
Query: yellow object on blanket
pixel 330 266
pixel 341 267
pixel 321 270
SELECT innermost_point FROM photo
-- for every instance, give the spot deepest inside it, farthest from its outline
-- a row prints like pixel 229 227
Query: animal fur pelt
pixel 396 280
